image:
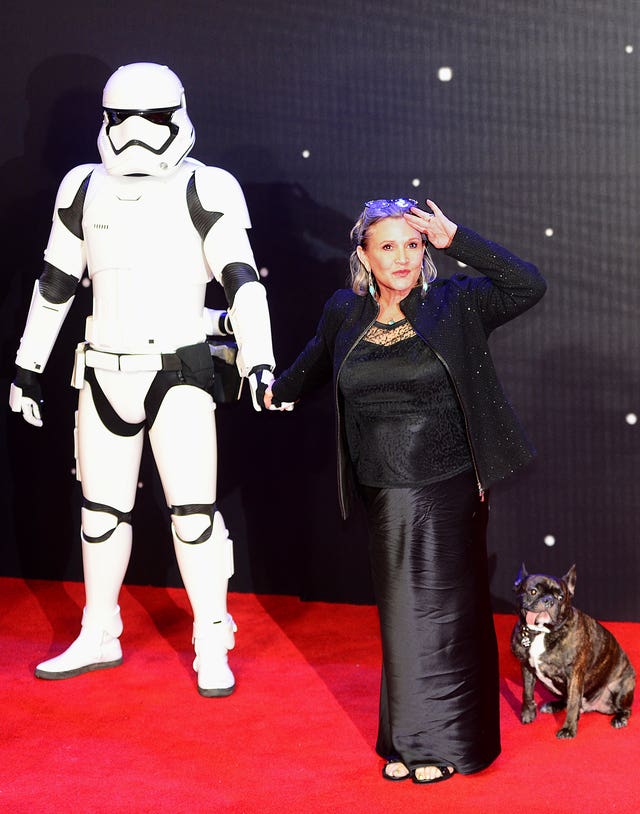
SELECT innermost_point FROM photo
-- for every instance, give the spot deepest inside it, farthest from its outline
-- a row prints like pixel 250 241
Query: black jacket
pixel 455 319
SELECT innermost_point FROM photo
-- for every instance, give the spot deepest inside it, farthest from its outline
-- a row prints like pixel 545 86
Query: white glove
pixel 29 408
pixel 281 406
pixel 25 396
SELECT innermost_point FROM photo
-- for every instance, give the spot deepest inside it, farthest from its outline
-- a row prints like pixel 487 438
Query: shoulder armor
pixel 71 183
pixel 70 198
pixel 218 191
pixel 203 219
pixel 71 215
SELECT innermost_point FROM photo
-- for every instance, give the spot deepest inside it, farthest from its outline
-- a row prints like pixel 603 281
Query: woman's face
pixel 393 254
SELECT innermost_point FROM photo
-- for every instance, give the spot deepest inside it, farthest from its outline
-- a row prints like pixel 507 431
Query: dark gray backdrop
pixel 533 142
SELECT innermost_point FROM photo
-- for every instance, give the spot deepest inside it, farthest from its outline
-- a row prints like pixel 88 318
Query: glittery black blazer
pixel 455 319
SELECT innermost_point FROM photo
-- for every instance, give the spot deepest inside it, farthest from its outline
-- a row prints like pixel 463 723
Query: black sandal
pixel 445 773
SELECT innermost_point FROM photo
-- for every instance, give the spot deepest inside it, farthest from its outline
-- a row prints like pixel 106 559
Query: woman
pixel 423 430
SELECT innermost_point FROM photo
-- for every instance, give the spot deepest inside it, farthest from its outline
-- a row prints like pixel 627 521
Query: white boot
pixel 211 642
pixel 205 569
pixel 96 648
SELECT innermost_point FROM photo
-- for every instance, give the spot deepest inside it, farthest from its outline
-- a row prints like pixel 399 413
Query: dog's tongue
pixel 534 618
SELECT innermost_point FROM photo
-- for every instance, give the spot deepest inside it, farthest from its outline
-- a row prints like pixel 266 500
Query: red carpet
pixel 297 735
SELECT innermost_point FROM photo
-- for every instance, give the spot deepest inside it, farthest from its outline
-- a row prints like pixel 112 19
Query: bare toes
pixel 426 773
pixel 397 769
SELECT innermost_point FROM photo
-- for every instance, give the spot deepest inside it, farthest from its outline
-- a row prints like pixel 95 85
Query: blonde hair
pixel 373 212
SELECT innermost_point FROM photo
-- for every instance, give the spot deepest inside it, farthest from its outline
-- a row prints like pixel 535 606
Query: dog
pixel 571 654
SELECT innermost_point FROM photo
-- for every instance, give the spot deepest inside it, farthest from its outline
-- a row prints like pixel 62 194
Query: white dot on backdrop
pixel 549 540
pixel 415 182
pixel 631 418
pixel 140 484
pixel 445 74
pixel 628 49
pixel 264 272
pixel 548 232
pixel 73 470
pixel 86 282
pixel 306 153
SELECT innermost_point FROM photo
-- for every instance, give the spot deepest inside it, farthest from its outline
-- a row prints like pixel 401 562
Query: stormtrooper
pixel 152 228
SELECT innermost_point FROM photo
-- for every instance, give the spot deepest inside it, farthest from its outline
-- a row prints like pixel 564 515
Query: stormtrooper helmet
pixel 146 129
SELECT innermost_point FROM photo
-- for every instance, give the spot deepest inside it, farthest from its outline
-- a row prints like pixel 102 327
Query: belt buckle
pixel 136 362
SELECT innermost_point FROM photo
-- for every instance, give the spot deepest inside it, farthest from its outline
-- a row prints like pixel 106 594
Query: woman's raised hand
pixel 437 226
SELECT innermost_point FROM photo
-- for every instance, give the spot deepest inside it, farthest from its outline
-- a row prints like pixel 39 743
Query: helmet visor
pixel 161 115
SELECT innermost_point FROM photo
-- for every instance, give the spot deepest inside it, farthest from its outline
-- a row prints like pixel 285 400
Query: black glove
pixel 29 383
pixel 260 377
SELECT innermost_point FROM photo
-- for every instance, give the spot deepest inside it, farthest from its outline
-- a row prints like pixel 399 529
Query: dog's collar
pixel 528 630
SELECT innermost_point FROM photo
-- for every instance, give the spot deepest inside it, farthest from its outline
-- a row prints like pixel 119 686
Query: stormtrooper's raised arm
pixel 219 212
pixel 53 293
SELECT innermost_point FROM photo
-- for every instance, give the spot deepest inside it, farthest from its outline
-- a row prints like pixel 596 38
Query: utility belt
pixel 131 362
pixel 210 366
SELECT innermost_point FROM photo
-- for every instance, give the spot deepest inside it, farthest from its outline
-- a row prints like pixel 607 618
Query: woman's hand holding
pixel 285 406
pixel 437 226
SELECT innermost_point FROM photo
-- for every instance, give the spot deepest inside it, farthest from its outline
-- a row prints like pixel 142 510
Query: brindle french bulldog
pixel 571 653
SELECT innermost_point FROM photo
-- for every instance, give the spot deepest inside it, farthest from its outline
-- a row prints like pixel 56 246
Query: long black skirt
pixel 439 696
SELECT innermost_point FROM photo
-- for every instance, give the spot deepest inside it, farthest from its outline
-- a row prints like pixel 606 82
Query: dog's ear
pixel 522 575
pixel 570 579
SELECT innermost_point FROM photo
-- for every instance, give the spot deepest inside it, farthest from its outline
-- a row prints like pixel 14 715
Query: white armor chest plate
pixel 146 264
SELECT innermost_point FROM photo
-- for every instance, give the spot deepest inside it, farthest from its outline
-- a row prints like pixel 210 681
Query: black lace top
pixel 403 421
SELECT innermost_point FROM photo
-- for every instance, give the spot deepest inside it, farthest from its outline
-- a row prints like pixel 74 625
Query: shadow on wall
pixel 63 97
pixel 280 499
